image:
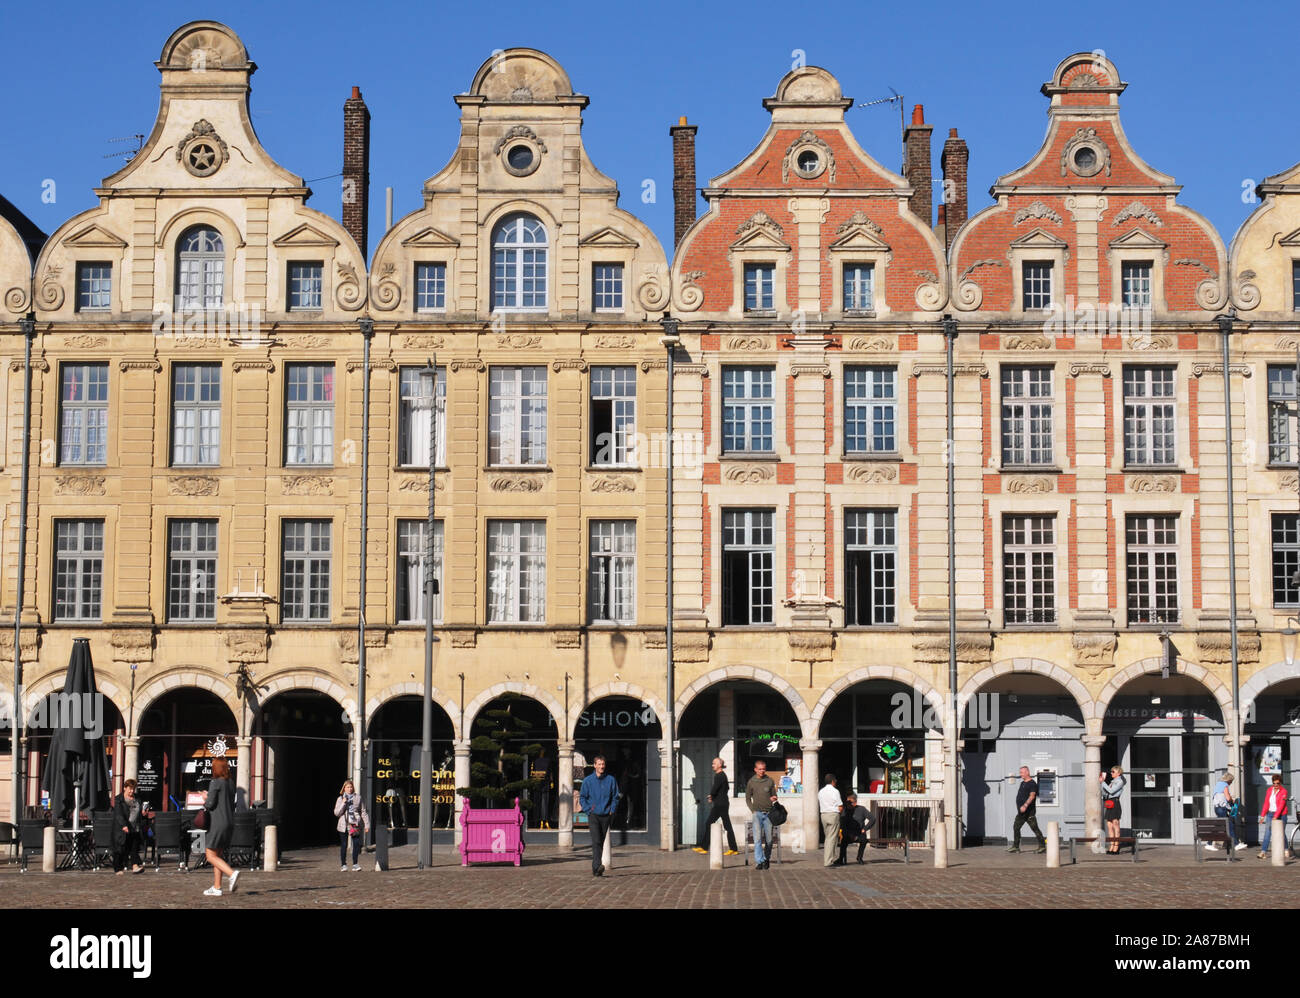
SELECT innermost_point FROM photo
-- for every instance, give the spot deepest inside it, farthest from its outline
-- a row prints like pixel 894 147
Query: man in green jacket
pixel 760 795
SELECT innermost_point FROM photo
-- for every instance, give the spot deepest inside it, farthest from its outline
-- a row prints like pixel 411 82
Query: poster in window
pixel 1269 759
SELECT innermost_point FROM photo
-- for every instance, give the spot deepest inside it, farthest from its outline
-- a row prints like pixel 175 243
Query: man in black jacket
pixel 720 800
pixel 855 822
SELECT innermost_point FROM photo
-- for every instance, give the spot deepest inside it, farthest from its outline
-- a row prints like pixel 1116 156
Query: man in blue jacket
pixel 598 799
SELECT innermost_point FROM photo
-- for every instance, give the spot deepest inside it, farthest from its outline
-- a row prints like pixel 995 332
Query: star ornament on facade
pixel 202 157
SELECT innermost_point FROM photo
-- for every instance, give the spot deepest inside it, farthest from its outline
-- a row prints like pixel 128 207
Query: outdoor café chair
pixel 101 850
pixel 168 838
pixel 9 837
pixel 32 837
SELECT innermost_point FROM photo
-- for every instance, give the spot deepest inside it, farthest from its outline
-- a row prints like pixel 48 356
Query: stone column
pixel 811 777
pixel 131 758
pixel 461 749
pixel 564 795
pixel 1092 743
pixel 667 831
pixel 244 766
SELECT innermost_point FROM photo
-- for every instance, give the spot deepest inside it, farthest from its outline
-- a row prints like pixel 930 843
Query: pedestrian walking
pixel 830 803
pixel 1225 806
pixel 127 813
pixel 219 802
pixel 855 822
pixel 1111 809
pixel 760 795
pixel 598 799
pixel 353 824
pixel 1026 811
pixel 1274 807
pixel 719 804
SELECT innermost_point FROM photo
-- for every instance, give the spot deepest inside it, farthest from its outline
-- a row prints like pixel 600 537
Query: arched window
pixel 519 263
pixel 200 269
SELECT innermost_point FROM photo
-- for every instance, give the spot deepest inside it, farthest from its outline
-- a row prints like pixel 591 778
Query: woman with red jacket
pixel 1274 807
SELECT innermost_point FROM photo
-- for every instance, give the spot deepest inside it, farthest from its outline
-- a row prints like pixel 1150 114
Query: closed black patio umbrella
pixel 76 772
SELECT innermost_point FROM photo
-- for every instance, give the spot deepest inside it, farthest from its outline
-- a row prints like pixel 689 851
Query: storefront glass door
pixel 1169 784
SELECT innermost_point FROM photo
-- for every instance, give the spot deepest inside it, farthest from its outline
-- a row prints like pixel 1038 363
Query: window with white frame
pixel 1149 416
pixel 613 415
pixel 414 415
pixel 307 560
pixel 94 287
pixel 78 569
pixel 611 576
pixel 1135 281
pixel 517 416
pixel 1281 414
pixel 870 410
pixel 870 566
pixel 309 414
pixel 1295 285
pixel 607 287
pixel 305 286
pixel 430 287
pixel 1152 557
pixel 191 570
pixel 1029 570
pixel 519 264
pixel 748 579
pixel 1286 559
pixel 83 423
pixel 516 571
pixel 200 269
pixel 747 408
pixel 196 414
pixel 859 284
pixel 412 557
pixel 1036 282
pixel 760 287
pixel 1026 416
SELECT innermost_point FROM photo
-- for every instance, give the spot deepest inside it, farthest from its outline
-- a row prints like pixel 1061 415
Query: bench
pixel 1129 840
pixel 905 842
pixel 1212 830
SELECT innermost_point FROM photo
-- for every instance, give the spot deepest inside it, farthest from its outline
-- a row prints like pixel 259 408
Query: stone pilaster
pixel 811 819
pixel 461 749
pixel 564 794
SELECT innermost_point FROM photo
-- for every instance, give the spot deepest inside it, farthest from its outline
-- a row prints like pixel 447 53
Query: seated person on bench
pixel 855 822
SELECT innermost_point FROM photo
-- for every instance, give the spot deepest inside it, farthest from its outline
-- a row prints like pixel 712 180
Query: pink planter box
pixel 491 835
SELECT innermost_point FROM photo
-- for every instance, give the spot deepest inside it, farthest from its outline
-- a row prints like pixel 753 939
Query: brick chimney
pixel 941 224
pixel 356 169
pixel 684 195
pixel 916 141
pixel 954 162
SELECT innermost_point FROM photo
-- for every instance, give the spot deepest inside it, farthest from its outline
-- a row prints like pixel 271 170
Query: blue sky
pixel 1212 98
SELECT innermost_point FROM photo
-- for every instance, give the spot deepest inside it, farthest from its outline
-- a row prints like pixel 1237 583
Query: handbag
pixel 201 819
pixel 1110 804
pixel 777 814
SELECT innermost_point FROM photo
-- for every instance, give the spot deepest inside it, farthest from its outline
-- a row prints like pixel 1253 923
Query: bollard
pixel 270 847
pixel 1277 842
pixel 47 850
pixel 715 846
pixel 940 847
pixel 604 855
pixel 1053 845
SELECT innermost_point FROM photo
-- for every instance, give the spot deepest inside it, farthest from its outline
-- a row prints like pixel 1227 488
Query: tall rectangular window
pixel 760 284
pixel 870 563
pixel 859 282
pixel 1026 416
pixel 78 569
pixel 748 582
pixel 83 424
pixel 305 283
pixel 516 571
pixel 1152 556
pixel 1036 277
pixel 607 287
pixel 1281 414
pixel 309 416
pixel 1295 285
pixel 196 414
pixel 747 406
pixel 1286 560
pixel 94 287
pixel 517 416
pixel 307 560
pixel 870 410
pixel 613 415
pixel 1136 281
pixel 412 557
pixel 192 570
pixel 611 576
pixel 430 287
pixel 1029 570
pixel 414 415
pixel 1148 415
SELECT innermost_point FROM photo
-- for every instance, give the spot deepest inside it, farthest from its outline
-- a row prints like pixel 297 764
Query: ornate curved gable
pixel 20 241
pixel 1266 252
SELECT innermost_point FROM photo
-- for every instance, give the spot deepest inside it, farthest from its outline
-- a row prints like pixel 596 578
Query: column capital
pixel 810 744
pixel 461 747
pixel 564 748
pixel 1093 741
pixel 131 741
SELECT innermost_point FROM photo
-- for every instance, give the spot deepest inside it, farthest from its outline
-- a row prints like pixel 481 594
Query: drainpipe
pixel 671 341
pixel 1225 327
pixel 367 326
pixel 949 339
pixel 17 747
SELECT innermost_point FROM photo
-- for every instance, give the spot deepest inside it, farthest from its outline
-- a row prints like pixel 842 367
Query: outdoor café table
pixel 76 854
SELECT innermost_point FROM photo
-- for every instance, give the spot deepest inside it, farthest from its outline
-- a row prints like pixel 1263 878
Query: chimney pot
pixel 952 133
pixel 918 114
pixel 356 93
pixel 681 120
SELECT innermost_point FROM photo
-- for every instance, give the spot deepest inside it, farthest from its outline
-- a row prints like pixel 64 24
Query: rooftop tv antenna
pixel 137 138
pixel 902 123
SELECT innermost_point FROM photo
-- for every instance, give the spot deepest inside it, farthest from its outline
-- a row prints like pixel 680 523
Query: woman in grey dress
pixel 220 805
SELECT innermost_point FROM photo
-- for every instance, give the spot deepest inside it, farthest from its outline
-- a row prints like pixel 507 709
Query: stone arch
pixel 778 684
pixel 310 681
pixel 449 706
pixel 898 675
pixel 219 688
pixel 608 690
pixel 527 689
pixel 187 218
pixel 1257 684
pixel 53 683
pixel 1146 666
pixel 1029 666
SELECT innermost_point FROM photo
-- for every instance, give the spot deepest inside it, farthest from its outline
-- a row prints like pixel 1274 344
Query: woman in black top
pixel 220 805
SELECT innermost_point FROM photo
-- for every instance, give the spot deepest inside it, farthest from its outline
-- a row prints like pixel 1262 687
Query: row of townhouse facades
pixel 201 344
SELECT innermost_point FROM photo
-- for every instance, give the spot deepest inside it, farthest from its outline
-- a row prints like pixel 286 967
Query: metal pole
pixel 949 338
pixel 1225 327
pixel 367 326
pixel 425 858
pixel 28 326
pixel 670 341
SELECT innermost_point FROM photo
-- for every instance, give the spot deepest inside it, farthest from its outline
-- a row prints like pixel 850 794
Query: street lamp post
pixel 950 339
pixel 367 326
pixel 1225 327
pixel 425 857
pixel 670 340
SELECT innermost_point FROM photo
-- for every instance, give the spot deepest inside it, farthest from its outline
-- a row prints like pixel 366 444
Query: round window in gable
pixel 1085 160
pixel 809 162
pixel 520 157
